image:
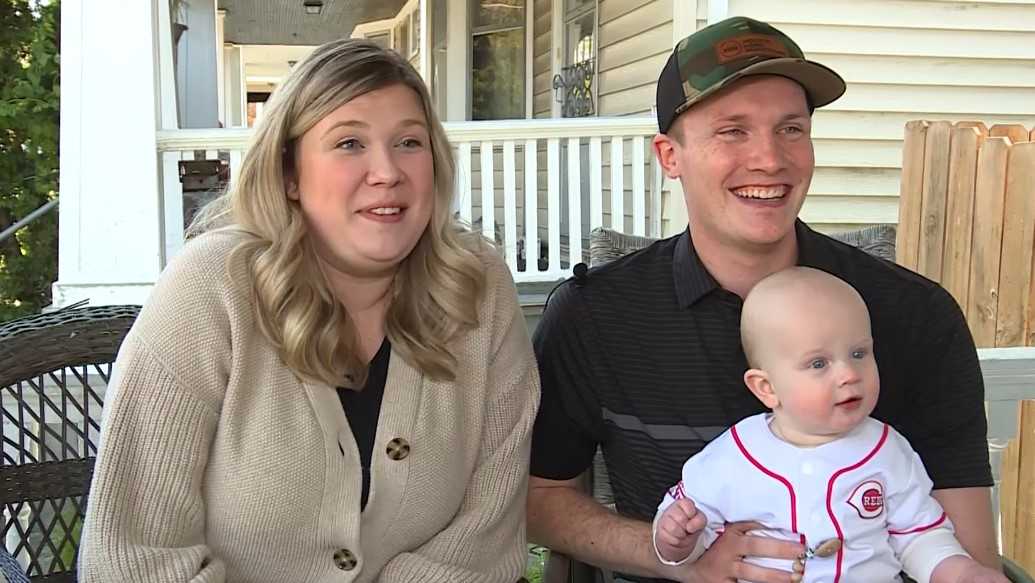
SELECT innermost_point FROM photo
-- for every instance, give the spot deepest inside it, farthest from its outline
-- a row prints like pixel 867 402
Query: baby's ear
pixel 758 381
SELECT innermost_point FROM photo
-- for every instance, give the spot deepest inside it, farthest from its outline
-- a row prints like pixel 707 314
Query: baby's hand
pixel 678 529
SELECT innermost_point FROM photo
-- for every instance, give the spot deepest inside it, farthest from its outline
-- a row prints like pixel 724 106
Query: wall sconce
pixel 312 6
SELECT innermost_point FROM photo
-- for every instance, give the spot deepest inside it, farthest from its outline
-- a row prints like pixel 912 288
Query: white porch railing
pixel 536 187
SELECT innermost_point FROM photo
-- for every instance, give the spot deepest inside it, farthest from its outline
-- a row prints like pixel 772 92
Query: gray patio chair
pixel 607 245
pixel 56 367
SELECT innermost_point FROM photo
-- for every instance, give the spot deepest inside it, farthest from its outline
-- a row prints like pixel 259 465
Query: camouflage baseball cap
pixel 720 54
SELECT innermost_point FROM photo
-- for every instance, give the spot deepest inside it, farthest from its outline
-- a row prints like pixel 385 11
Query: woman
pixel 333 382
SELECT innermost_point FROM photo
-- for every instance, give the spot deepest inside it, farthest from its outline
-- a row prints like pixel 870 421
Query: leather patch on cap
pixel 748 45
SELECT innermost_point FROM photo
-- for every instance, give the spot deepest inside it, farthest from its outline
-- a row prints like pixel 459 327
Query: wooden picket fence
pixel 967 220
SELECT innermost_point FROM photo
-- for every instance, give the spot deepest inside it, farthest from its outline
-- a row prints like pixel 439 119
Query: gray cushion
pixel 607 245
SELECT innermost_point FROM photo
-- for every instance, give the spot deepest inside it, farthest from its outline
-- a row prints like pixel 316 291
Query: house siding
pixel 542 72
pixel 902 60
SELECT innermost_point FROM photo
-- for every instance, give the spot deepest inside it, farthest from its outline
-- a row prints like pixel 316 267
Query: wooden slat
pixel 463 181
pixel 531 207
pixel 1008 496
pixel 1018 237
pixel 596 194
pixel 617 185
pixel 1024 539
pixel 639 191
pixel 488 192
pixel 980 125
pixel 935 191
pixel 574 202
pixel 1016 132
pixel 553 204
pixel 960 211
pixel 509 205
pixel 983 294
pixel 907 241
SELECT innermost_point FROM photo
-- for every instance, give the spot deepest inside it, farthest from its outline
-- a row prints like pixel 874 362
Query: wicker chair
pixel 607 245
pixel 55 370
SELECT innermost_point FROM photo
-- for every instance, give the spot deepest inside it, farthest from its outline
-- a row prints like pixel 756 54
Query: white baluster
pixel 596 195
pixel 553 208
pixel 172 204
pixel 639 193
pixel 509 206
pixel 531 207
pixel 463 181
pixel 617 185
pixel 488 193
pixel 574 203
pixel 236 157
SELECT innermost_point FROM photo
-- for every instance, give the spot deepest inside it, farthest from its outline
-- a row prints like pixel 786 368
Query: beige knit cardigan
pixel 216 464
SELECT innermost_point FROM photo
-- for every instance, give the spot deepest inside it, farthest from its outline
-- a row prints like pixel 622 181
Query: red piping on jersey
pixel 830 496
pixel 920 528
pixel 773 475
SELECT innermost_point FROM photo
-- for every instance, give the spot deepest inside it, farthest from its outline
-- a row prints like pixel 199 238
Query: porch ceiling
pixel 284 22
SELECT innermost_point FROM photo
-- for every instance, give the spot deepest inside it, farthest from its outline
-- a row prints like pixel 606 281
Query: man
pixel 643 358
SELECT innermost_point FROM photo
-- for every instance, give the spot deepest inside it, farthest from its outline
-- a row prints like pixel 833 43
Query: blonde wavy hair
pixel 438 287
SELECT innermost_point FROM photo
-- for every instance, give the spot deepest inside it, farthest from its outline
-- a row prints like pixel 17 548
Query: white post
pixel 557 54
pixel 221 94
pixel 197 83
pixel 110 233
pixel 235 92
pixel 684 20
pixel 425 42
pixel 458 68
pixel 718 10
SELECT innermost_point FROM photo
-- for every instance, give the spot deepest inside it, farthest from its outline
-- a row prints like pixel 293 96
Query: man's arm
pixel 970 510
pixel 565 519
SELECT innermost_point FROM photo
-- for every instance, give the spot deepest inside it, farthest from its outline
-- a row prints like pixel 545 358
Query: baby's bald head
pixel 792 297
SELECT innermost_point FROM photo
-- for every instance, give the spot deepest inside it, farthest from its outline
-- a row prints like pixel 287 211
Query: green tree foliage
pixel 29 115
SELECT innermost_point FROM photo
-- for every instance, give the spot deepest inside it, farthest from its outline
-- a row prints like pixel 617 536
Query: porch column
pixel 235 91
pixel 221 95
pixel 458 60
pixel 110 231
pixel 196 66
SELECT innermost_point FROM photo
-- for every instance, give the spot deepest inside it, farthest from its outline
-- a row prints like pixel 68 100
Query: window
pixel 497 59
pixel 574 85
pixel 402 37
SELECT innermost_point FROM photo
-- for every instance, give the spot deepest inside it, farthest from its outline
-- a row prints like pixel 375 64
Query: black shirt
pixel 362 408
pixel 643 357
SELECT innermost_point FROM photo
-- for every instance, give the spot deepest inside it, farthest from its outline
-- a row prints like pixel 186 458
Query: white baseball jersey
pixel 868 489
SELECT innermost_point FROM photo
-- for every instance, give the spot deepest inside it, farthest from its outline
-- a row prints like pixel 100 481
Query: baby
pixel 817 469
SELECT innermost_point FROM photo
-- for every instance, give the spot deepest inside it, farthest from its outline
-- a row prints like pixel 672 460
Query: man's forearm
pixel 970 510
pixel 572 522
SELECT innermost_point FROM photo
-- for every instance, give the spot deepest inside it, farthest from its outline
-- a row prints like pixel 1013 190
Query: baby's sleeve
pixel 701 485
pixel 920 532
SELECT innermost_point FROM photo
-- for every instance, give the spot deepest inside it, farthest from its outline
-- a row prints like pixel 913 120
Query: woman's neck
pixel 366 299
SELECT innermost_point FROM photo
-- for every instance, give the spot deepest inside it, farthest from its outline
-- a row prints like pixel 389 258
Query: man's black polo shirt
pixel 644 358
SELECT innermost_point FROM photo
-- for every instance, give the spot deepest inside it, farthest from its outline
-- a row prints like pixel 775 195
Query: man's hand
pixel 678 530
pixel 963 569
pixel 723 561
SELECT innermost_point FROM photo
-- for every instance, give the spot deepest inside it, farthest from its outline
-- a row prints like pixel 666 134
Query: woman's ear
pixel 758 382
pixel 292 189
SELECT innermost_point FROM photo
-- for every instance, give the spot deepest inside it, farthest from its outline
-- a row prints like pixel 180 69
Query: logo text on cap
pixel 748 45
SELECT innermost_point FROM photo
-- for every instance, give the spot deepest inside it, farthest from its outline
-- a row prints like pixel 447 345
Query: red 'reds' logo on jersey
pixel 868 499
